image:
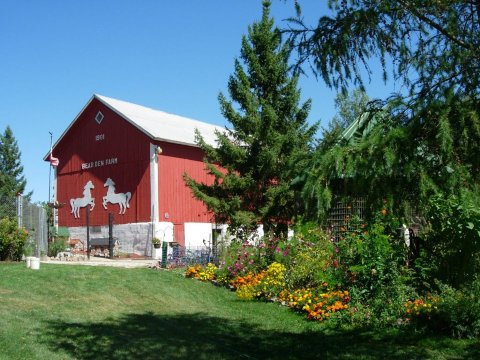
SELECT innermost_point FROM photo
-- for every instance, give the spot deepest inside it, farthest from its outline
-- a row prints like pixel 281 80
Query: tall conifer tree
pixel 254 162
pixel 12 180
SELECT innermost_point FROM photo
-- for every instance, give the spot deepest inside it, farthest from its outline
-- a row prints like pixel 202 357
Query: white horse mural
pixel 122 199
pixel 87 199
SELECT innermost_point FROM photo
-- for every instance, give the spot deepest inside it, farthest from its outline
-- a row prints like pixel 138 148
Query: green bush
pixel 12 240
pixel 458 311
pixel 56 246
pixel 29 248
pixel 371 258
pixel 453 244
pixel 310 260
pixel 373 264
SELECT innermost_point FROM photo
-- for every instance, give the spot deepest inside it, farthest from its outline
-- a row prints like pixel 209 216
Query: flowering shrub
pixel 249 279
pixel 312 259
pixel 319 305
pixel 207 274
pixel 193 271
pixel 239 260
pixel 273 281
pixel 266 284
pixel 371 258
pixel 201 273
pixel 421 307
pixel 454 311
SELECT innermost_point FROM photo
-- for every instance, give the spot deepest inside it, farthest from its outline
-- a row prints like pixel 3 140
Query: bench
pixel 99 246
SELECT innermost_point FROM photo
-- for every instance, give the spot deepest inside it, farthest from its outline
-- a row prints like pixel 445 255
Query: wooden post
pixel 110 235
pixel 88 231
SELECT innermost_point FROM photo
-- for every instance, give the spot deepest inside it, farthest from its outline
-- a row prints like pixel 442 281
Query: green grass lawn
pixel 82 312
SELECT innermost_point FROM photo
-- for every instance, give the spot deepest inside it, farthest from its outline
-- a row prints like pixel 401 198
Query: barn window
pixel 99 117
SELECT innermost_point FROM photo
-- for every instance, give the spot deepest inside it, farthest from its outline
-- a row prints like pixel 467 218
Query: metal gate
pixel 32 217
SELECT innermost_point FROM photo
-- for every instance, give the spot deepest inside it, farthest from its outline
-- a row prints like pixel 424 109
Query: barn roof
pixel 160 125
pixel 156 124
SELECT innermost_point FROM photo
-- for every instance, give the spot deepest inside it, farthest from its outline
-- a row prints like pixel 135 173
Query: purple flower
pixel 285 253
pixel 277 250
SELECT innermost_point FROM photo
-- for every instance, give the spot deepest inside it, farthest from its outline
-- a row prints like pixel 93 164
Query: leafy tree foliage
pixel 350 107
pixel 423 144
pixel 12 180
pixel 254 162
pixel 423 141
pixel 434 44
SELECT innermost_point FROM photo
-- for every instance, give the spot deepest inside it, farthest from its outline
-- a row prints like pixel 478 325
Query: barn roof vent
pixel 99 117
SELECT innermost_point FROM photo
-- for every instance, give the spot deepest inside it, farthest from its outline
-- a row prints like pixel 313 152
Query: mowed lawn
pixel 83 312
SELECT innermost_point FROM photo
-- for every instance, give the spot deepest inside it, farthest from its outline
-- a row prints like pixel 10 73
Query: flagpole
pixel 50 170
pixel 49 186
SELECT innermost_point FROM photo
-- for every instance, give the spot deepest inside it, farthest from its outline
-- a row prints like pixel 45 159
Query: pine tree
pixel 255 161
pixel 12 181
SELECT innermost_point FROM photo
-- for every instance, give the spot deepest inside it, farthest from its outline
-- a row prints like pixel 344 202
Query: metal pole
pixel 110 234
pixel 49 189
pixel 88 231
pixel 50 164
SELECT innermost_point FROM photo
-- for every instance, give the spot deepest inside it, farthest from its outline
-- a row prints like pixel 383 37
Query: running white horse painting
pixel 122 199
pixel 87 199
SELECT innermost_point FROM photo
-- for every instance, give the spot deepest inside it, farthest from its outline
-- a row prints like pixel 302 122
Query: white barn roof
pixel 156 124
pixel 160 125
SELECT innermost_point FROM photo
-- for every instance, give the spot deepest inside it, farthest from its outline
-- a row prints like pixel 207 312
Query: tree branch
pixel 433 24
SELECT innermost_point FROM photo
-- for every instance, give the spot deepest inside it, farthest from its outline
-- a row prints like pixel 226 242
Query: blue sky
pixel 174 56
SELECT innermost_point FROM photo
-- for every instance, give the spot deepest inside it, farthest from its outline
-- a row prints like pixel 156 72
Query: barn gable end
pixel 128 160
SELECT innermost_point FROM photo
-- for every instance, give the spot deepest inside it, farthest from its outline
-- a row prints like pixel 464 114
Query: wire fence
pixel 180 256
pixel 343 211
pixel 31 217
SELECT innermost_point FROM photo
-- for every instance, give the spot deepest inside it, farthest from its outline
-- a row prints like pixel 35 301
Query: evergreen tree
pixel 254 162
pixel 423 146
pixel 315 182
pixel 12 181
pixel 426 140
pixel 433 45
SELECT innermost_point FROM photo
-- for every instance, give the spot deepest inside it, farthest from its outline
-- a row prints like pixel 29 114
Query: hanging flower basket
pixel 156 243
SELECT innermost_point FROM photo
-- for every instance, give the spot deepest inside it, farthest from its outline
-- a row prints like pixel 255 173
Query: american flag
pixel 54 161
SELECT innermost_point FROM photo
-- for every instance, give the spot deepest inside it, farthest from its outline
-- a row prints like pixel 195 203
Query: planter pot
pixel 156 253
pixel 28 260
pixel 35 263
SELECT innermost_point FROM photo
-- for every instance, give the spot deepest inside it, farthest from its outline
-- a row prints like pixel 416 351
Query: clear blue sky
pixel 174 56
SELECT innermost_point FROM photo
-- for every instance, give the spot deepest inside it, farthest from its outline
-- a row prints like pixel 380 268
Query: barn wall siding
pixel 176 201
pixel 112 149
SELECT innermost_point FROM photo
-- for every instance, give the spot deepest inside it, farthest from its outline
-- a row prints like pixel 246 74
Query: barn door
pixel 179 234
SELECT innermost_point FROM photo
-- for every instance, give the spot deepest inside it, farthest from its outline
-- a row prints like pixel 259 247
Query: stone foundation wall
pixel 134 238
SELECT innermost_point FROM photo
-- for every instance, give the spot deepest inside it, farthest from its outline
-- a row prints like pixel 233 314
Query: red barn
pixel 129 160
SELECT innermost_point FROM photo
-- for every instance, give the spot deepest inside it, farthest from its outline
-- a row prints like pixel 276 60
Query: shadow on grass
pixel 150 336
